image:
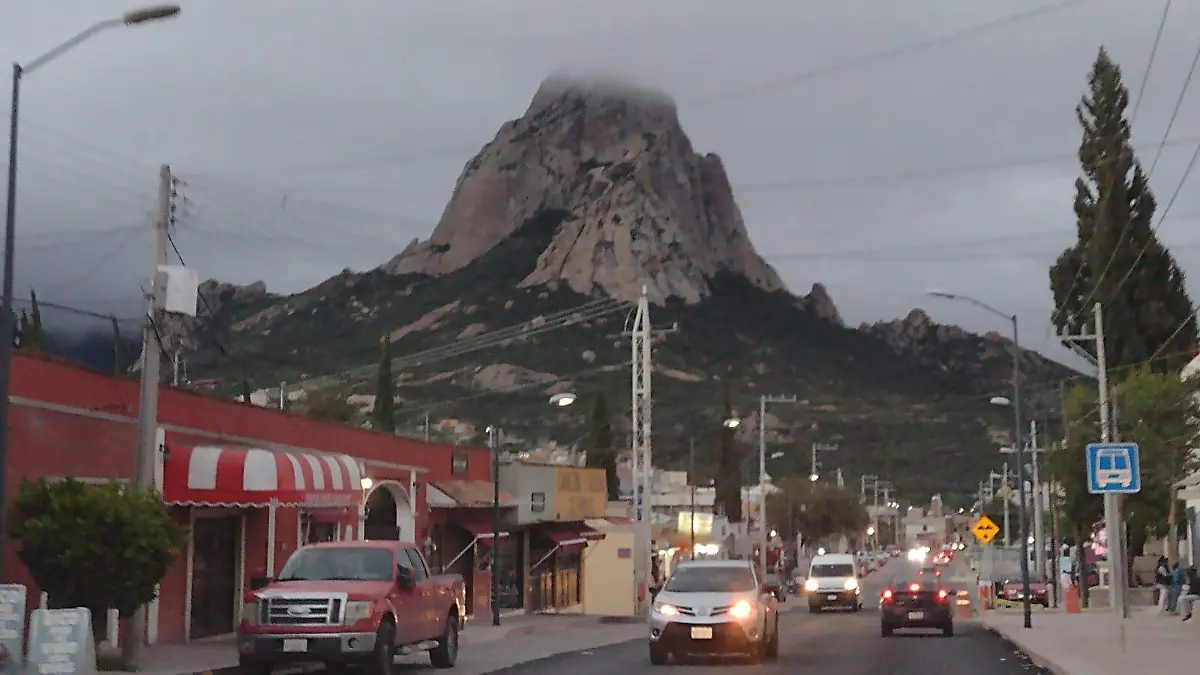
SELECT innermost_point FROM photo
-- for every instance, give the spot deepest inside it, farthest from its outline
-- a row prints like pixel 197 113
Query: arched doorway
pixel 389 514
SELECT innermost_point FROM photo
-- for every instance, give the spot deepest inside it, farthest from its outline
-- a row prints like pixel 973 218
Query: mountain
pixel 525 286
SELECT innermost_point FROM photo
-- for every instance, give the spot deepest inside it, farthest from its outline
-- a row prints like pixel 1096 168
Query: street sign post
pixel 985 530
pixel 1114 468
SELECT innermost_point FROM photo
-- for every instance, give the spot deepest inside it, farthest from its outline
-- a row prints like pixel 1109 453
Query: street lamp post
pixel 1018 429
pixel 19 72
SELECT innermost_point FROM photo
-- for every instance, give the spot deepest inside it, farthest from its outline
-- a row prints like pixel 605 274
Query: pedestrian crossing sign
pixel 985 530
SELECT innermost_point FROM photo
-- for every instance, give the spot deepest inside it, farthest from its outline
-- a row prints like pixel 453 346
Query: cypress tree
pixel 598 443
pixel 383 417
pixel 729 478
pixel 1117 259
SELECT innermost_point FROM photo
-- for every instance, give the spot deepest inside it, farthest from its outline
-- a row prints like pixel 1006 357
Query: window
pixel 832 570
pixel 418 566
pixel 537 502
pixel 711 579
pixel 349 564
pixel 458 463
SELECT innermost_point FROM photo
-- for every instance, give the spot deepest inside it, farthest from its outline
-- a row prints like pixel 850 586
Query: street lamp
pixel 563 399
pixel 19 71
pixel 1016 406
pixel 366 483
pixel 731 423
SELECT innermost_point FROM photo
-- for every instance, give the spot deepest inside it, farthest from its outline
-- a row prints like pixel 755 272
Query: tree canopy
pixel 383 415
pixel 598 444
pixel 728 481
pixel 331 405
pixel 94 546
pixel 815 511
pixel 1117 259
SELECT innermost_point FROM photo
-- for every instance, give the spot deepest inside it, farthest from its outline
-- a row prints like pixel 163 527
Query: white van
pixel 833 581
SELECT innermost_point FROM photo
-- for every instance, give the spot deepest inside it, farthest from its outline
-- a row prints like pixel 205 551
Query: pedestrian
pixel 1176 587
pixel 1162 581
pixel 1191 593
pixel 1066 565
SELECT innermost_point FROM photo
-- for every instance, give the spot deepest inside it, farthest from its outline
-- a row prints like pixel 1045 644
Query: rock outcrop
pixel 641 206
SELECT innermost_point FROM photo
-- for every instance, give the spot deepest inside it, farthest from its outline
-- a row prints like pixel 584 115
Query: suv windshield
pixel 832 570
pixel 339 564
pixel 710 579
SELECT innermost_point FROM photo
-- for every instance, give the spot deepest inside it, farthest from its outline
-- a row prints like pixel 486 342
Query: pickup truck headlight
pixel 357 611
pixel 250 613
pixel 851 584
pixel 741 610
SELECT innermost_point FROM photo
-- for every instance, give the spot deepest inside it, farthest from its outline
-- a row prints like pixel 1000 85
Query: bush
pixel 94 546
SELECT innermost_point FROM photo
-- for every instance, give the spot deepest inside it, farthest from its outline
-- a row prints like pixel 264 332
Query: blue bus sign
pixel 1113 468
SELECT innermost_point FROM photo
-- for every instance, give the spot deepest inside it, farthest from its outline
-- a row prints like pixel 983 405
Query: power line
pixel 885 55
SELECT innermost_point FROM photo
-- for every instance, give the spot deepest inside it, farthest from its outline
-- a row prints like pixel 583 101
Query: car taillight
pixel 887 595
pixel 915 588
pixel 942 595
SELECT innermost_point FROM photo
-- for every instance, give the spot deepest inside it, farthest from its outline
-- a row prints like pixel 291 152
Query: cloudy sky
pixel 878 148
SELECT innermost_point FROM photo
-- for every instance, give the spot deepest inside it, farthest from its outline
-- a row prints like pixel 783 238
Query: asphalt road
pixel 833 643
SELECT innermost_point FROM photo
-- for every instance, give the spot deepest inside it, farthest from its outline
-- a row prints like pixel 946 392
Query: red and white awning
pixel 251 477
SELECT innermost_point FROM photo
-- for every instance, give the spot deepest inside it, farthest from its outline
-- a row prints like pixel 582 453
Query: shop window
pixel 458 463
pixel 537 502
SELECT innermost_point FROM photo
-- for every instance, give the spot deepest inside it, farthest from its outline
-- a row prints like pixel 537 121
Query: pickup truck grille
pixel 301 611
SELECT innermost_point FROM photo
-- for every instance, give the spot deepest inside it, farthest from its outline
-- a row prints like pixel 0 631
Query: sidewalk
pixel 484 647
pixel 1088 643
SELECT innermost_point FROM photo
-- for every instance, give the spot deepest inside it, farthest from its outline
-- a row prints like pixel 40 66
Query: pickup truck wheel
pixel 252 667
pixel 445 655
pixel 384 660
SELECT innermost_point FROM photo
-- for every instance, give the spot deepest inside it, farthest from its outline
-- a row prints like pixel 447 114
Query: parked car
pixel 358 603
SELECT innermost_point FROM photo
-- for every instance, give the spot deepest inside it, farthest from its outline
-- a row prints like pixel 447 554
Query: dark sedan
pixel 1012 592
pixel 917 602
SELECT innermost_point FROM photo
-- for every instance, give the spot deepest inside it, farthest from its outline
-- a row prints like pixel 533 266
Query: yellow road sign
pixel 985 530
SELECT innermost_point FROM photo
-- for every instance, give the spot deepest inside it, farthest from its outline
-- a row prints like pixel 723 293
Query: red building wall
pixel 68 421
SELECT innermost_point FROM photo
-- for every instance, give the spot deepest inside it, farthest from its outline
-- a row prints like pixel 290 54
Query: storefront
pixel 238 503
pixel 464 536
pixel 556 573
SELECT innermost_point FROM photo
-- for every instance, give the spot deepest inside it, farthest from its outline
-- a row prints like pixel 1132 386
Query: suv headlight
pixel 357 611
pixel 810 585
pixel 250 613
pixel 665 609
pixel 741 610
pixel 851 584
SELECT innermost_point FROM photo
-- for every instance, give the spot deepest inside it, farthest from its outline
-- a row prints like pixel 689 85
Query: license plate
pixel 295 645
pixel 831 596
pixel 702 632
pixel 916 616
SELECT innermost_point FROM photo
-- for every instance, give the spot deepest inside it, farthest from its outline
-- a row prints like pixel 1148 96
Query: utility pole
pixel 1007 501
pixel 817 449
pixel 640 416
pixel 146 452
pixel 1112 504
pixel 692 485
pixel 762 471
pixel 494 446
pixel 1039 528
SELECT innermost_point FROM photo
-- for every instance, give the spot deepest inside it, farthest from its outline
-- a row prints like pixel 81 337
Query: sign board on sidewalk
pixel 60 642
pixel 985 529
pixel 12 627
pixel 1113 468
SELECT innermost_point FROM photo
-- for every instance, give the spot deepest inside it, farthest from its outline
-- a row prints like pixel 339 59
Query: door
pixel 214 576
pixel 412 617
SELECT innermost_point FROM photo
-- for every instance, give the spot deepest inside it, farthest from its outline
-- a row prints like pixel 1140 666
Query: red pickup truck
pixel 357 603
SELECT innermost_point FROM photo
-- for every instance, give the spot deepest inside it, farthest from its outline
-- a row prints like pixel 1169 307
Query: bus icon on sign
pixel 1113 468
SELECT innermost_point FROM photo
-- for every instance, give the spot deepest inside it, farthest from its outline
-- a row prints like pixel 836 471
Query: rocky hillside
pixel 524 288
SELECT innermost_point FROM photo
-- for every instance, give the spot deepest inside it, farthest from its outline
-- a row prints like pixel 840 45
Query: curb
pixel 504 670
pixel 1034 657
